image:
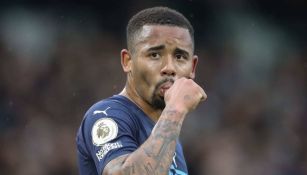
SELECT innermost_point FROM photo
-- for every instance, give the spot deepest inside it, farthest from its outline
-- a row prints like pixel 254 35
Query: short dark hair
pixel 156 16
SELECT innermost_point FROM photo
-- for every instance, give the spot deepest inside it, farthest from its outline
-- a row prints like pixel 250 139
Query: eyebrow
pixel 181 51
pixel 155 48
pixel 161 47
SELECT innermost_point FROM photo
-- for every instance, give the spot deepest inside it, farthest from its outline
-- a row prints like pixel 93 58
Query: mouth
pixel 164 87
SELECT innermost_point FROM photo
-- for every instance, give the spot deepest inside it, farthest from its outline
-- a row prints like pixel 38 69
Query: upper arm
pixel 109 137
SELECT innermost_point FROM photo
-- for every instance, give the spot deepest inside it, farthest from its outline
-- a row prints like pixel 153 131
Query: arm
pixel 156 153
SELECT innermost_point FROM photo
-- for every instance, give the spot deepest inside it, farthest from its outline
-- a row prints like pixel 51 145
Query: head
pixel 160 44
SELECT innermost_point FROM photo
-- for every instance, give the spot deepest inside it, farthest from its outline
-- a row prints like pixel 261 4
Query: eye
pixel 180 57
pixel 154 55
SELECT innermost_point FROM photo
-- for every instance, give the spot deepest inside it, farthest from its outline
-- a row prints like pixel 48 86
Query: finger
pixel 203 98
pixel 203 94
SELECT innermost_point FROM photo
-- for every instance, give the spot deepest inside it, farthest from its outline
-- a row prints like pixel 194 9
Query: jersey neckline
pixel 134 105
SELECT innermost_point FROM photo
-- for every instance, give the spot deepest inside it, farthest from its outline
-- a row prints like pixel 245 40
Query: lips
pixel 164 87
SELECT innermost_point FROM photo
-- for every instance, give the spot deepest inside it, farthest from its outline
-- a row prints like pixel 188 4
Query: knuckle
pixel 189 81
pixel 205 96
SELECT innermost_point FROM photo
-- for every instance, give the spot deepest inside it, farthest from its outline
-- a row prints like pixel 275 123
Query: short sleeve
pixel 108 132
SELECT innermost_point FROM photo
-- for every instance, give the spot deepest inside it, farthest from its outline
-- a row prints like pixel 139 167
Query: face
pixel 162 54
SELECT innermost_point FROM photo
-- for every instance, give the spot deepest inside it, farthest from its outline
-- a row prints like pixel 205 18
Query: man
pixel 136 131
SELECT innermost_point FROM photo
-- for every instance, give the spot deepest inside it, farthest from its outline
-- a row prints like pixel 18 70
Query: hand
pixel 184 95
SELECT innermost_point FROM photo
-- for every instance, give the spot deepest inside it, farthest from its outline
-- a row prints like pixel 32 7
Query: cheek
pixel 185 70
pixel 144 77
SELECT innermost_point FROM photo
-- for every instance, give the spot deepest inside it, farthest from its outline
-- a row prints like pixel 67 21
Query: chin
pixel 158 103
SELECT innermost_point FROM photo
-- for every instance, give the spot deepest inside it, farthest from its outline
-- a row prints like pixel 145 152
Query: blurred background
pixel 57 58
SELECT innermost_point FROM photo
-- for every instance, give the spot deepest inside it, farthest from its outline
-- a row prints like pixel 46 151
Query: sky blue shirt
pixel 114 127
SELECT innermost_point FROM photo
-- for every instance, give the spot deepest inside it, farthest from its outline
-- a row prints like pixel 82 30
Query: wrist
pixel 175 111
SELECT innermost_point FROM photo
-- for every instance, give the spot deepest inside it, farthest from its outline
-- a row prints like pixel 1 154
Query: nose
pixel 168 68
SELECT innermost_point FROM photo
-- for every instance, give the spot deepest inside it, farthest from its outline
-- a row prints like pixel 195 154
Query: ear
pixel 126 60
pixel 194 64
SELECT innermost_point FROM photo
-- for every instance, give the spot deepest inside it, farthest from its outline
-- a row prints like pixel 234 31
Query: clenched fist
pixel 184 95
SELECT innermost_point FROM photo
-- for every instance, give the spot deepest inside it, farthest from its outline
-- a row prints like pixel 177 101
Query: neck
pixel 131 94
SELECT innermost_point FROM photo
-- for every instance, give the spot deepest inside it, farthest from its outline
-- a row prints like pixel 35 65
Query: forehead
pixel 163 34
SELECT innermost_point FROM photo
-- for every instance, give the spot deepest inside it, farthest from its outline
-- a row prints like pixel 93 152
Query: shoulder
pixel 109 130
pixel 112 114
pixel 114 108
pixel 105 120
pixel 109 105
